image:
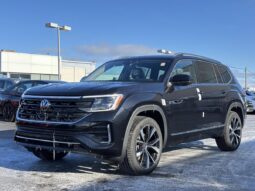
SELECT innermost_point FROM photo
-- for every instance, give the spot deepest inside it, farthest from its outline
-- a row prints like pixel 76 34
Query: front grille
pixel 60 142
pixel 54 110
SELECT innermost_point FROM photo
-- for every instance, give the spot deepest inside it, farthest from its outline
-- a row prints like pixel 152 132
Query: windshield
pixel 130 71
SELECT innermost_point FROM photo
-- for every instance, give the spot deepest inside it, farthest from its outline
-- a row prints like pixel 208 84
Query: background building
pixel 41 67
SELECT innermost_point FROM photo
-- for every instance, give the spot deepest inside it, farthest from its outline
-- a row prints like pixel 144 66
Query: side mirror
pixel 181 80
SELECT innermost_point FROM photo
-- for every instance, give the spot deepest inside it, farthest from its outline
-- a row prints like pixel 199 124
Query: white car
pixel 250 102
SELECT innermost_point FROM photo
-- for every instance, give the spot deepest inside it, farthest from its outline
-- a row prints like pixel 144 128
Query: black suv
pixel 130 109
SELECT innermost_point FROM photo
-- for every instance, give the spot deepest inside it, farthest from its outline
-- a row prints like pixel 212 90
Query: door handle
pixel 199 91
pixel 177 101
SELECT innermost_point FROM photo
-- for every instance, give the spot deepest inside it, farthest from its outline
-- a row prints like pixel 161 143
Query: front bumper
pixel 250 107
pixel 99 133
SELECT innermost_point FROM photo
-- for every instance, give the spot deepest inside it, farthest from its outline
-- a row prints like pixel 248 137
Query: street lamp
pixel 63 28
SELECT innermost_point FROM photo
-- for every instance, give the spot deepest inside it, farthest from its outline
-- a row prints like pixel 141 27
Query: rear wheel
pixel 49 155
pixel 144 147
pixel 231 138
pixel 9 112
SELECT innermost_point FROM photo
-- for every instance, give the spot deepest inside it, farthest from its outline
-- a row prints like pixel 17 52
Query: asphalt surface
pixel 193 166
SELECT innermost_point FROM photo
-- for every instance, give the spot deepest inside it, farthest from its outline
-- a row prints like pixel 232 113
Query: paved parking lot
pixel 193 166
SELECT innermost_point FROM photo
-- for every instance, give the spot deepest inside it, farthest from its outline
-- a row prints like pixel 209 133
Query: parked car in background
pixel 9 98
pixel 5 83
pixel 250 102
pixel 129 109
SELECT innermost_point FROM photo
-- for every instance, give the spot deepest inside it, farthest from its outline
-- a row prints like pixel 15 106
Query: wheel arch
pixel 154 111
pixel 237 107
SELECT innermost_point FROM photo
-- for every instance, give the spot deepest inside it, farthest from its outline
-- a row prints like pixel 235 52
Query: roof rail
pixel 198 56
pixel 163 51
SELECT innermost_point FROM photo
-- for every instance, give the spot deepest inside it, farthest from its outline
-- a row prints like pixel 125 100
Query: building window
pixel 3 75
pixel 35 76
pixel 21 76
pixel 45 77
pixel 53 77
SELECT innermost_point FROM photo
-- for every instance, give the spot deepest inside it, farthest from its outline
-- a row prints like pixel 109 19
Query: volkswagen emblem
pixel 44 105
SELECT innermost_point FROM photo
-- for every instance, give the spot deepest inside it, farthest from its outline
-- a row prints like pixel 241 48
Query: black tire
pixel 144 147
pixel 232 134
pixel 9 112
pixel 47 155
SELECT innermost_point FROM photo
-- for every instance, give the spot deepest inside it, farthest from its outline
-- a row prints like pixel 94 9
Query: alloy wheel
pixel 8 112
pixel 235 129
pixel 148 147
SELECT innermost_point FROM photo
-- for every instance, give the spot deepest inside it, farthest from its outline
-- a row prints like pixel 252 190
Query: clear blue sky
pixel 221 29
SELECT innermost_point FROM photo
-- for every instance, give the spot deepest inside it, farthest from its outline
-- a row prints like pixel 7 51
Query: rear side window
pixel 185 67
pixel 223 70
pixel 219 77
pixel 205 72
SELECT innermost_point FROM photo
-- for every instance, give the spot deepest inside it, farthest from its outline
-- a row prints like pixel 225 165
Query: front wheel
pixel 232 135
pixel 49 155
pixel 9 113
pixel 144 147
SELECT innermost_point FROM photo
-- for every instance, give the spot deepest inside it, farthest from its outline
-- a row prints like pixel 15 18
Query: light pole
pixel 245 78
pixel 63 28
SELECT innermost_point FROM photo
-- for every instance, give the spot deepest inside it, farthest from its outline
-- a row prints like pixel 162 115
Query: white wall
pixel 72 71
pixel 28 63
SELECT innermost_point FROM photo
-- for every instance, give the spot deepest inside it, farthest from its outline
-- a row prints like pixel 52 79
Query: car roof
pixel 46 81
pixel 6 79
pixel 169 56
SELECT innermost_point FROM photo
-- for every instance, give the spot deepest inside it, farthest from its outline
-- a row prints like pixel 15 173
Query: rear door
pixel 212 94
pixel 226 78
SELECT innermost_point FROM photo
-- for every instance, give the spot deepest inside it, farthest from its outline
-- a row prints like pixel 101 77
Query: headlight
pixel 104 102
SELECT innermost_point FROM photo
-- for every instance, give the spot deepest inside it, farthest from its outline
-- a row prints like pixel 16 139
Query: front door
pixel 181 102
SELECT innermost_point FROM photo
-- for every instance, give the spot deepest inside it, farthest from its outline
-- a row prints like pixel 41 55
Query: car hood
pixel 91 88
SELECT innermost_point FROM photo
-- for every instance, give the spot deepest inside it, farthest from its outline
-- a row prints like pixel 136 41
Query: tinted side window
pixel 185 67
pixel 226 77
pixel 205 72
pixel 219 77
